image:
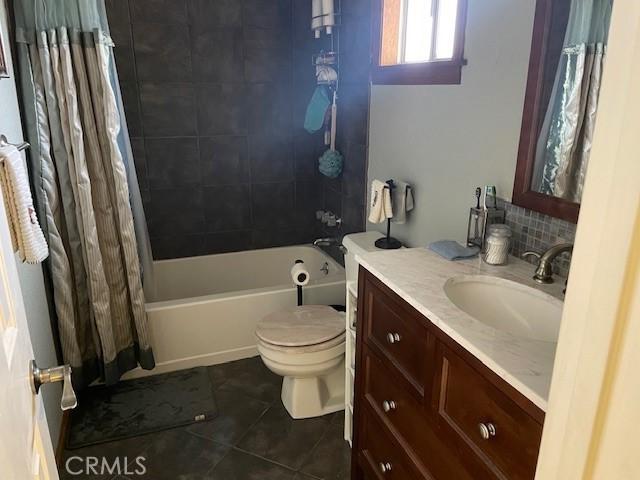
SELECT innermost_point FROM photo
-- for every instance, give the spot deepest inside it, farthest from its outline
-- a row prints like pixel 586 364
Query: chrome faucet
pixel 328 241
pixel 544 270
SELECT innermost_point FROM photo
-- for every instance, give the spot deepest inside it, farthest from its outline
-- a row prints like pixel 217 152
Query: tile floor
pixel 252 438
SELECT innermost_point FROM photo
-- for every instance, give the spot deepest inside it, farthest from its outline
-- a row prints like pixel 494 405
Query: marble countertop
pixel 418 276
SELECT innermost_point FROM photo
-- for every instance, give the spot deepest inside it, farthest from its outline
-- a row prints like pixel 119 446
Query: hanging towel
pixel 452 250
pixel 380 205
pixel 26 235
pixel 317 109
pixel 402 202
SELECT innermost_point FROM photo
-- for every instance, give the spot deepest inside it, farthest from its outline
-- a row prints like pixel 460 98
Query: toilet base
pixel 306 397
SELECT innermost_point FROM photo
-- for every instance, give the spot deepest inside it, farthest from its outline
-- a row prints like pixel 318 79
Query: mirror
pixel 565 72
pixel 418 41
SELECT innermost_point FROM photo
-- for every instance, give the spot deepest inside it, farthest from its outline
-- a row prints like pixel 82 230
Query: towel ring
pixel 5 143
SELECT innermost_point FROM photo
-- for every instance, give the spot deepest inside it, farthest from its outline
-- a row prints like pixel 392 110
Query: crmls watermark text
pixel 105 466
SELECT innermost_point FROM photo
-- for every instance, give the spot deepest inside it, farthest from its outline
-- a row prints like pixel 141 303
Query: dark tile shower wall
pixel 536 231
pixel 214 93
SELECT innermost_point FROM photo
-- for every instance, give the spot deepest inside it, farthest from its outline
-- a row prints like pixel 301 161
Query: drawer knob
pixel 385 467
pixel 389 405
pixel 487 430
pixel 393 338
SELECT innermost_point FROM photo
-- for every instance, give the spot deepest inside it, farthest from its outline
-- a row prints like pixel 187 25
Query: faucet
pixel 327 241
pixel 544 271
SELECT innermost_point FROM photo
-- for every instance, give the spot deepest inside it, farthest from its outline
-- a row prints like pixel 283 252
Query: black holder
pixel 388 242
pixel 299 287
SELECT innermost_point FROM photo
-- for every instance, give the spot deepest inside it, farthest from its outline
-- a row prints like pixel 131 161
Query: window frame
pixel 434 72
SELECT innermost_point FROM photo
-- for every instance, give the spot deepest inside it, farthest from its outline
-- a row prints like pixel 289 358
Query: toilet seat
pixel 340 339
pixel 302 329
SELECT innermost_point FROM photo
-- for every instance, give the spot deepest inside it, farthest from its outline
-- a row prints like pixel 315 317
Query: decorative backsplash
pixel 536 231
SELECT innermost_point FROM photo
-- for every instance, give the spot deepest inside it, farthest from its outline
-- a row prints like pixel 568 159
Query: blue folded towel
pixel 452 250
pixel 317 109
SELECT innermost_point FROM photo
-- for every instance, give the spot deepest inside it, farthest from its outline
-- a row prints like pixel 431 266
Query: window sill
pixel 433 73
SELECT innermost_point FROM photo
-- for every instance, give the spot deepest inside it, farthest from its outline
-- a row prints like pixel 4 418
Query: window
pixel 418 41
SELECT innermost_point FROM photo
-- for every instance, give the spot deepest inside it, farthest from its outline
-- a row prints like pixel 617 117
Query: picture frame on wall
pixel 4 65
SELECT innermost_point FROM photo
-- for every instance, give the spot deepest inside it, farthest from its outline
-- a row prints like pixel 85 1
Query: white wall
pixel 447 140
pixel 31 278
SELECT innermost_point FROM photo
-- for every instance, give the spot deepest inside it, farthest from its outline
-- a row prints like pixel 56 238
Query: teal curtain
pixel 564 144
pixel 86 188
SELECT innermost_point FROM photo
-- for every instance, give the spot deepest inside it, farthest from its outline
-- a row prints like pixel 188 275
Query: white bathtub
pixel 206 308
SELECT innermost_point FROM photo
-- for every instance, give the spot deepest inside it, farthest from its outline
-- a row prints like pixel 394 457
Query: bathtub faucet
pixel 328 241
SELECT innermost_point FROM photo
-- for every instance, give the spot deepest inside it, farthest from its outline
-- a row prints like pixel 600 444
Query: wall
pixel 31 278
pixel 447 140
pixel 213 93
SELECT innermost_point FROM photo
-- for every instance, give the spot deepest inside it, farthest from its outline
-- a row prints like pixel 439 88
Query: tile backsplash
pixel 536 231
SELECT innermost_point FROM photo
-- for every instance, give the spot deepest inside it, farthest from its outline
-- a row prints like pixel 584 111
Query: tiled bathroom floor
pixel 252 437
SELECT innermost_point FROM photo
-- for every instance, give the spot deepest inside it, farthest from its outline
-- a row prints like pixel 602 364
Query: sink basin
pixel 508 306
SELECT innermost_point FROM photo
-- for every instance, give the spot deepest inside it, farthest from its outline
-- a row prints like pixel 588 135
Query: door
pixel 25 445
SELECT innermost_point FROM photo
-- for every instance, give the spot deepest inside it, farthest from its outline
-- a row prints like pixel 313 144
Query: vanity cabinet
pixel 425 408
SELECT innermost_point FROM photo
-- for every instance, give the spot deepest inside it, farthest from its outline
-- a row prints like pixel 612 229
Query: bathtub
pixel 206 308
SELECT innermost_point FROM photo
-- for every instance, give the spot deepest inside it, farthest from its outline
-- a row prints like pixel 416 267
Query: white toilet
pixel 306 346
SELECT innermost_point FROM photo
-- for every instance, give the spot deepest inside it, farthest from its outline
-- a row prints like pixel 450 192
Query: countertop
pixel 418 276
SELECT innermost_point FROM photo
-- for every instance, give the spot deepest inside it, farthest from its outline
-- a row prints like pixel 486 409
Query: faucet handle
pixel 531 253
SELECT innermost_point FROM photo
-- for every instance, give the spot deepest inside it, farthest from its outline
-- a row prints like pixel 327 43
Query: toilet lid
pixel 301 326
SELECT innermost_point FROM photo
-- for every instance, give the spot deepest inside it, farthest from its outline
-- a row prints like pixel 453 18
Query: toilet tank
pixel 357 243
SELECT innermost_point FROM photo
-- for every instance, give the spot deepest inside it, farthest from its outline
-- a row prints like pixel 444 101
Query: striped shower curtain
pixel 82 186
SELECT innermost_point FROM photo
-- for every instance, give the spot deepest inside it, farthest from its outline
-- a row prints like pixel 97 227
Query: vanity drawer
pixel 413 422
pixel 500 432
pixel 398 333
pixel 379 456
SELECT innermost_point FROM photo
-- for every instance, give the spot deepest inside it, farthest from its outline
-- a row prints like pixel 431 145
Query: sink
pixel 508 306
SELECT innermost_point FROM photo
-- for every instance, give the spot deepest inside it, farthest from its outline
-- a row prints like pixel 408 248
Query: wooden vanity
pixel 425 408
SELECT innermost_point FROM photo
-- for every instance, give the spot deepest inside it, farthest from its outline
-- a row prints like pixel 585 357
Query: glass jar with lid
pixel 498 242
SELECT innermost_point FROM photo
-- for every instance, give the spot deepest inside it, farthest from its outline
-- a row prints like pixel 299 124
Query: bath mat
pixel 139 406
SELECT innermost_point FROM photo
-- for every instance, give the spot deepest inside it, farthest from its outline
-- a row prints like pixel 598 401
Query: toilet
pixel 306 346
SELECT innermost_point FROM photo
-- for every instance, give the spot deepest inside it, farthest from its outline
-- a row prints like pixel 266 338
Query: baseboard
pixel 65 427
pixel 195 361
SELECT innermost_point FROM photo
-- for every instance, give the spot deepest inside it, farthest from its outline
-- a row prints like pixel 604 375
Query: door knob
pixel 52 375
pixel 385 467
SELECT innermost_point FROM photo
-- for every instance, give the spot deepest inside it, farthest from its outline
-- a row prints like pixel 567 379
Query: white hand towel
pixel 26 234
pixel 402 202
pixel 380 204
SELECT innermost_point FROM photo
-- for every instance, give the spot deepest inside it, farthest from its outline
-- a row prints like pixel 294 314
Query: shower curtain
pixel 85 185
pixel 565 139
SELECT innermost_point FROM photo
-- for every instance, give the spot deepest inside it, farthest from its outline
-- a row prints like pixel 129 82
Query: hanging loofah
pixel 330 163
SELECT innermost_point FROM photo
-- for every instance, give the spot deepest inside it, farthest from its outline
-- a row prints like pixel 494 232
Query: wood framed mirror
pixel 565 70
